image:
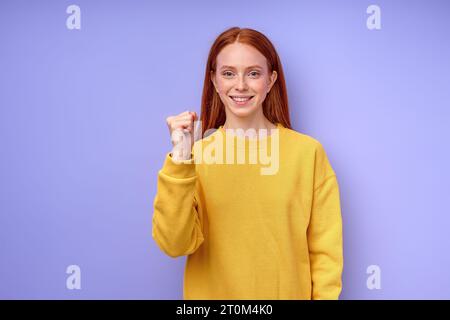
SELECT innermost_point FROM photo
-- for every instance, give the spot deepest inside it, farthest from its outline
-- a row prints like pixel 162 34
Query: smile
pixel 241 100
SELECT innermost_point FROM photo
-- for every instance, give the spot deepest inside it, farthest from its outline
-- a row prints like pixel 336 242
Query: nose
pixel 241 83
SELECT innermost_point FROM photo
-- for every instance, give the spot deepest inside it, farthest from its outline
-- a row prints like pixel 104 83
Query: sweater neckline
pixel 262 141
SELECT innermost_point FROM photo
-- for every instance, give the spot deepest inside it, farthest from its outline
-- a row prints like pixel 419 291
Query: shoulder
pixel 308 148
pixel 301 140
pixel 209 136
pixel 317 154
pixel 202 141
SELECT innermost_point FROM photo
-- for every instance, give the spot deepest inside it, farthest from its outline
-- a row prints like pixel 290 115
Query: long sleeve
pixel 176 223
pixel 325 232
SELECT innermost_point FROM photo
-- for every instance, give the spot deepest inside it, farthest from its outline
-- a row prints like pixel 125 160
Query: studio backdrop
pixel 86 87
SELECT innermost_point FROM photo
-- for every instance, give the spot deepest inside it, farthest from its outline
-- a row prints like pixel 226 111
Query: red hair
pixel 275 105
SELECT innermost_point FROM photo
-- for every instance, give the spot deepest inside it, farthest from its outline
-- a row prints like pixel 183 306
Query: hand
pixel 182 134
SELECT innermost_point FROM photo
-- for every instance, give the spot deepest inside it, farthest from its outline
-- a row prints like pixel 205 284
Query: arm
pixel 176 224
pixel 325 232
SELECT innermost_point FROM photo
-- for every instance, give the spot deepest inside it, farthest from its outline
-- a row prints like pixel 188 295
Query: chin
pixel 242 112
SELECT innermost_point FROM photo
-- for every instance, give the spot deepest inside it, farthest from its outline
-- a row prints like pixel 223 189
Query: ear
pixel 213 79
pixel 273 78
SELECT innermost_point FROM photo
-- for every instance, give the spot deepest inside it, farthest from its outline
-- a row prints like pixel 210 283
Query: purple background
pixel 83 135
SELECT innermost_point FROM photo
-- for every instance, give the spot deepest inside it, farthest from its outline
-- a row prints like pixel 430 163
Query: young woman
pixel 248 234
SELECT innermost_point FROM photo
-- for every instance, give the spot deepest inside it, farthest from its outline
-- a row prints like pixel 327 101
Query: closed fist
pixel 182 134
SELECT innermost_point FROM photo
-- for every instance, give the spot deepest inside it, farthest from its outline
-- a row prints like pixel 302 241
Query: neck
pixel 258 122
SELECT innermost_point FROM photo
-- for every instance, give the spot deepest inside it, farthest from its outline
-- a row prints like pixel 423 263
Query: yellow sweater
pixel 250 235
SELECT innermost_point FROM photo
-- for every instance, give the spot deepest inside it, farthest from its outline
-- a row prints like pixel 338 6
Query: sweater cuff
pixel 178 168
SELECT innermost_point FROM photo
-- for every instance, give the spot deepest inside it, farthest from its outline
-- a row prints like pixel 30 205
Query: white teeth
pixel 240 99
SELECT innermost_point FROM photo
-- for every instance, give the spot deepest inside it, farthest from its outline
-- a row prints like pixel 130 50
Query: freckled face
pixel 242 79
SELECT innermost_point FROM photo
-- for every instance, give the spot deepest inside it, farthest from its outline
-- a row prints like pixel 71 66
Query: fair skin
pixel 241 72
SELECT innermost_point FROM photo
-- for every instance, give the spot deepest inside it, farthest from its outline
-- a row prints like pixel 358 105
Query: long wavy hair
pixel 275 105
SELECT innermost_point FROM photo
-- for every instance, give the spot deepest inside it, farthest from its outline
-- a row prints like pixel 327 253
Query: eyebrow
pixel 250 67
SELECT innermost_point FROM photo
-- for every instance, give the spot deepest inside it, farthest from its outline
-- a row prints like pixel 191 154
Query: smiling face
pixel 242 80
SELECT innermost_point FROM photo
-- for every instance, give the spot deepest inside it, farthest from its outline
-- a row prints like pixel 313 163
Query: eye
pixel 254 73
pixel 227 73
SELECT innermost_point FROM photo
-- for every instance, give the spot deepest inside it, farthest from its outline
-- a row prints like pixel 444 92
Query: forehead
pixel 240 55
